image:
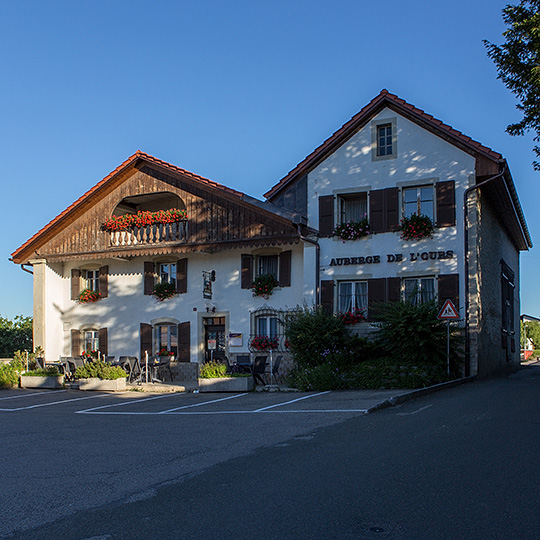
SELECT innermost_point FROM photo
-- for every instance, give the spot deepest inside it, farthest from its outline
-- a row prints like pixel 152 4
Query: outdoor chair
pixel 40 362
pixel 109 359
pixel 259 367
pixel 243 363
pixel 162 367
pixel 275 375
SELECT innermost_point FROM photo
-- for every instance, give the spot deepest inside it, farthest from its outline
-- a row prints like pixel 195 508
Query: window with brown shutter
pixel 393 289
pixel 285 268
pixel 104 281
pixel 145 340
pixel 184 342
pixel 446 204
pixel 148 277
pixel 246 272
pixel 103 341
pixel 75 283
pixel 181 276
pixel 327 295
pixel 326 216
pixel 384 210
pixel 75 342
pixel 448 289
pixel 376 295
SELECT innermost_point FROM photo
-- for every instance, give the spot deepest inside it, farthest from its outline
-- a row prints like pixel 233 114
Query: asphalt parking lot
pixel 69 451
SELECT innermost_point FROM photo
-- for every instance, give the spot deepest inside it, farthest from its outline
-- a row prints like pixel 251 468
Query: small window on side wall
pixel 384 139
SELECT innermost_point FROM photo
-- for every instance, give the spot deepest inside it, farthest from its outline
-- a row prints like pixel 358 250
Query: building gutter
pixel 317 262
pixel 23 266
pixel 466 253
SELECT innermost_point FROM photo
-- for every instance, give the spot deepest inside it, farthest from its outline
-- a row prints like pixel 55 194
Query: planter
pixel 103 385
pixel 42 382
pixel 227 384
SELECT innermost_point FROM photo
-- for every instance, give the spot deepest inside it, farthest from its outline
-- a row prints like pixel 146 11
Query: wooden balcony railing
pixel 150 234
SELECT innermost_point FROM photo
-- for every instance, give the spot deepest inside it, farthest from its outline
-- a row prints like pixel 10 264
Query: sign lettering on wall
pixel 394 258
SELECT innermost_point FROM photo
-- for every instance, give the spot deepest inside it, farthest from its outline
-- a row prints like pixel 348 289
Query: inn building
pixel 329 233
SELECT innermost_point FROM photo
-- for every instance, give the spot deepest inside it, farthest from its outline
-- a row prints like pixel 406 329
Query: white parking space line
pixel 53 403
pixel 203 403
pixel 126 403
pixel 292 401
pixel 33 394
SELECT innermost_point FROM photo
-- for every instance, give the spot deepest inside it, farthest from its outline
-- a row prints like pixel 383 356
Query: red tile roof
pixel 383 99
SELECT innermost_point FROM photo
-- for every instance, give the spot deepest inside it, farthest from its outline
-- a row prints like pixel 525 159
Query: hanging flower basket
pixel 143 219
pixel 352 230
pixel 354 316
pixel 416 227
pixel 264 343
pixel 165 352
pixel 162 291
pixel 87 296
pixel 263 285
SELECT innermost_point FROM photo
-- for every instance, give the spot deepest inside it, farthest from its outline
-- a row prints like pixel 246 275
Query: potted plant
pixel 143 219
pixel 164 354
pixel 87 296
pixel 354 316
pixel 213 377
pixel 352 230
pixel 416 227
pixel 162 291
pixel 263 343
pixel 48 377
pixel 263 285
pixel 98 375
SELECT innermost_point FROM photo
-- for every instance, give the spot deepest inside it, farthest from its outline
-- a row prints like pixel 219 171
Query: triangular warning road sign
pixel 448 311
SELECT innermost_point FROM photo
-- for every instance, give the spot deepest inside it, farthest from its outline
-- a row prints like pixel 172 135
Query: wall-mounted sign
pixel 235 339
pixel 394 258
pixel 207 285
pixel 212 343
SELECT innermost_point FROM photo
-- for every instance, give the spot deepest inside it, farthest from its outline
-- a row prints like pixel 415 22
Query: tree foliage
pixel 15 335
pixel 518 65
pixel 530 330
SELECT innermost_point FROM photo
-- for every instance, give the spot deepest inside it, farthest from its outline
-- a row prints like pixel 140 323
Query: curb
pixel 402 398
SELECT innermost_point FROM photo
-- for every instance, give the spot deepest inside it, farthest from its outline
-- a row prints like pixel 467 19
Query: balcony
pixel 150 234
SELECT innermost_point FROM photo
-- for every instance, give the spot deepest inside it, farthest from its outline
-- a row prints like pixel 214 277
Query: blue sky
pixel 236 91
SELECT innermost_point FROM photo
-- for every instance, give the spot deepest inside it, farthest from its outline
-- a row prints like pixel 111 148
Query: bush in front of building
pixel 9 373
pixel 100 370
pixel 15 334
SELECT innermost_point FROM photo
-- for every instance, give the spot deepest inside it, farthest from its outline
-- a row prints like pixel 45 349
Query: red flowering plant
pixel 263 285
pixel 165 352
pixel 264 343
pixel 352 230
pixel 354 316
pixel 416 227
pixel 88 295
pixel 89 355
pixel 144 218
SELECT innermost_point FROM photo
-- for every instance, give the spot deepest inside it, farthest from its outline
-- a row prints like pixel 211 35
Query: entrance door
pixel 214 338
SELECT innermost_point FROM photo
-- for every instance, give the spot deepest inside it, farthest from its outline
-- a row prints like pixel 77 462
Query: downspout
pixel 317 261
pixel 466 248
pixel 23 266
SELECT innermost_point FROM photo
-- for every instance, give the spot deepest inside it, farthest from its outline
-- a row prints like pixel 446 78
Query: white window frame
pixel 90 338
pixel 166 272
pixel 420 191
pixel 344 198
pixel 419 289
pixel 262 264
pixel 91 279
pixel 375 148
pixel 359 299
pixel 171 337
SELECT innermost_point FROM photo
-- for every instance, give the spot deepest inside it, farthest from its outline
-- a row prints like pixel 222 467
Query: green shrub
pixel 100 370
pixel 15 335
pixel 212 370
pixel 412 333
pixel 322 377
pixel 50 371
pixel 9 374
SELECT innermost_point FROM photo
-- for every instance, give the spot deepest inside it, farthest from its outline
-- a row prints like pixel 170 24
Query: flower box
pixel 227 384
pixel 52 382
pixel 103 385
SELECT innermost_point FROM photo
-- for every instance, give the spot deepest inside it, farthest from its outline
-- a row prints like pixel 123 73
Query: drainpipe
pixel 317 261
pixel 23 266
pixel 466 248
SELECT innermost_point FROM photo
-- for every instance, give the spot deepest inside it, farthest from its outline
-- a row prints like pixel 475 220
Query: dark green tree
pixel 15 335
pixel 518 65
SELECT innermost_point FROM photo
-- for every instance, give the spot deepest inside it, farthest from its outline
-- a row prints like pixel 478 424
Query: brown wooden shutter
pixel 104 281
pixel 103 341
pixel 247 272
pixel 327 295
pixel 384 210
pixel 146 340
pixel 75 283
pixel 184 342
pixel 285 268
pixel 448 288
pixel 391 208
pixel 75 342
pixel 376 210
pixel 393 289
pixel 376 296
pixel 446 204
pixel 326 216
pixel 181 276
pixel 148 277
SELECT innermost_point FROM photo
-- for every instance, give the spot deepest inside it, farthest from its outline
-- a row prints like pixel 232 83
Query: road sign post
pixel 448 313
